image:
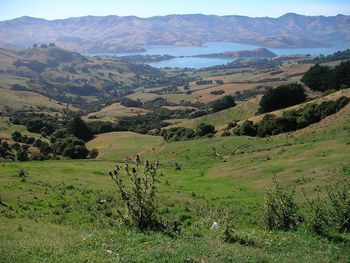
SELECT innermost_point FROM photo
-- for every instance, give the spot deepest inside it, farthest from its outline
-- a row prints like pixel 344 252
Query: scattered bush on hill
pixel 291 120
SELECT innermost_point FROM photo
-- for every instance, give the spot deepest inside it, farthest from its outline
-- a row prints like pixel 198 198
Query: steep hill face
pixel 114 33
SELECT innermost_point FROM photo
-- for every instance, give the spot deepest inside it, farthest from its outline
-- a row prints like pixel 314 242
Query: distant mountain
pixel 130 33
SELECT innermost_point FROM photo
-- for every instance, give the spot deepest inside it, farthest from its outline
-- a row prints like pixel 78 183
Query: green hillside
pixel 47 221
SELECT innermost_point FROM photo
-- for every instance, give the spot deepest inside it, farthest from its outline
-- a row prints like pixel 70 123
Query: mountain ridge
pixel 89 34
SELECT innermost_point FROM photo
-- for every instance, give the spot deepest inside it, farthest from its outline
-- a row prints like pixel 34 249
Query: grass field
pixel 116 145
pixel 114 111
pixel 57 214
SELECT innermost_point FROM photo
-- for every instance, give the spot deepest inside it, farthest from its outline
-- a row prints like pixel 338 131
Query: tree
pixel 319 78
pixel 342 74
pixel 205 129
pixel 282 97
pixel 80 129
pixel 223 103
pixel 22 155
pixel 247 128
pixel 16 136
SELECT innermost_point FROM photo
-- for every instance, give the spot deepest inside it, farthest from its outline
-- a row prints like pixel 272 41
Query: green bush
pixel 330 210
pixel 280 209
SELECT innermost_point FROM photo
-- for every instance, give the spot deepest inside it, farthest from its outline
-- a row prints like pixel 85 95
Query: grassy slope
pixel 19 99
pixel 204 184
pixel 243 110
pixel 115 110
pixel 7 128
pixel 116 145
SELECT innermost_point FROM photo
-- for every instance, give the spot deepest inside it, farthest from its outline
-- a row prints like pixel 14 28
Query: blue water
pixel 218 47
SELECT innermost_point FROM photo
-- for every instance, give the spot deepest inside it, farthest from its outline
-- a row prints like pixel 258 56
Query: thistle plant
pixel 139 195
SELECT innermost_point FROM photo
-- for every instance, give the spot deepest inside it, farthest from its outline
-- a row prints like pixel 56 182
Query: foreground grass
pixel 65 211
pixel 37 242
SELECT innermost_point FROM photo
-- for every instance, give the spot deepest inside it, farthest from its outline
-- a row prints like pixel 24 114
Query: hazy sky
pixel 54 9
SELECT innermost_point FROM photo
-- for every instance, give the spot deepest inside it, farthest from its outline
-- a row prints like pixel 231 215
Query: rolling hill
pixel 55 74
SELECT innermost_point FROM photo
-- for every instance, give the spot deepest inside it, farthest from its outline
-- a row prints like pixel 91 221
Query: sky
pixel 58 9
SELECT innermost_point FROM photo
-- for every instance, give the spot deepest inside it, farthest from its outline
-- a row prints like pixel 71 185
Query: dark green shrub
pixel 319 78
pixel 205 129
pixel 223 103
pixel 247 128
pixel 282 97
pixel 177 134
pixel 93 153
pixel 80 129
pixel 22 155
pixel 16 136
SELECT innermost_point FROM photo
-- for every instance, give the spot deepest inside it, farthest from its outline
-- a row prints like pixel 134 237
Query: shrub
pixel 205 129
pixel 177 134
pixel 217 92
pixel 247 128
pixel 223 103
pixel 330 210
pixel 16 136
pixel 198 113
pixel 22 155
pixel 282 97
pixel 280 209
pixel 93 153
pixel 80 129
pixel 319 218
pixel 140 198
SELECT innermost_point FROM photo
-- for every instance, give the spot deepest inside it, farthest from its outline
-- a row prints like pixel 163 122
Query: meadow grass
pixel 65 210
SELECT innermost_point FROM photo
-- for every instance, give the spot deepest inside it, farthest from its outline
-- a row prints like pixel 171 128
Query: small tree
pixel 140 198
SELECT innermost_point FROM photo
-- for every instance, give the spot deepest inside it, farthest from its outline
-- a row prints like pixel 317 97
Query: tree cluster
pixel 323 78
pixel 282 97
